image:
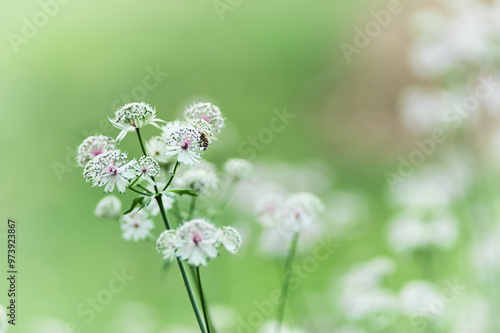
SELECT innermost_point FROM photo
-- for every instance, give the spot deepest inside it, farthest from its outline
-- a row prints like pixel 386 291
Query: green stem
pixel 187 283
pixel 137 191
pixel 191 208
pixel 286 281
pixel 202 297
pixel 171 177
pixel 140 141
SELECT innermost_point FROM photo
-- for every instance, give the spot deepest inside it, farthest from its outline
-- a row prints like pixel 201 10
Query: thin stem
pixel 286 281
pixel 191 208
pixel 183 271
pixel 202 297
pixel 145 189
pixel 137 191
pixel 172 176
pixel 140 141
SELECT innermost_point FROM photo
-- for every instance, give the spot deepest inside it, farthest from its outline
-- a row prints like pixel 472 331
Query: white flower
pixel 300 210
pixel 267 208
pixel 171 127
pixel 185 144
pixel 196 242
pixel 201 179
pixel 156 147
pixel 165 245
pixel 148 168
pixel 136 225
pixel 369 274
pixel 416 299
pixel 239 168
pixel 109 207
pixel 93 146
pixel 3 320
pixel 207 112
pixel 110 169
pixel 132 116
pixel 411 231
pixel 230 238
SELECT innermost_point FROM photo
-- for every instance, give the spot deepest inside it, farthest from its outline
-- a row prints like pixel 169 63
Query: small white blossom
pixel 136 225
pixel 93 146
pixel 156 147
pixel 109 207
pixel 207 112
pixel 267 208
pixel 171 127
pixel 110 169
pixel 185 144
pixel 201 179
pixel 148 168
pixel 132 116
pixel 165 245
pixel 196 242
pixel 230 238
pixel 300 210
pixel 239 168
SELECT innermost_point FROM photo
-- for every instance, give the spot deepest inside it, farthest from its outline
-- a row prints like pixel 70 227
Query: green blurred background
pixel 67 79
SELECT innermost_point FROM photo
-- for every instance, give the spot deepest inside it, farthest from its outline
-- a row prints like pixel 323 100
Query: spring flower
pixel 147 168
pixel 109 207
pixel 165 245
pixel 239 168
pixel 196 242
pixel 300 210
pixel 207 112
pixel 136 225
pixel 156 147
pixel 201 179
pixel 110 169
pixel 93 146
pixel 132 116
pixel 230 238
pixel 185 144
pixel 172 127
pixel 267 208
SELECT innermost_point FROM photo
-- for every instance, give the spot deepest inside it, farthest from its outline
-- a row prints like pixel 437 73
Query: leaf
pixel 137 201
pixel 186 192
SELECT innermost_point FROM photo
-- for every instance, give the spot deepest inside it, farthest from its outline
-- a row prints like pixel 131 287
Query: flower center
pixel 206 118
pixel 144 170
pixel 185 145
pixel 196 239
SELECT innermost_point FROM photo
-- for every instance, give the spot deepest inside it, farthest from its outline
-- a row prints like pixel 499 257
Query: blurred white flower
pixel 110 169
pixel 239 168
pixel 369 274
pixel 201 179
pixel 484 253
pixel 410 231
pixel 185 144
pixel 165 244
pixel 344 209
pixel 132 116
pixel 207 112
pixel 267 208
pixel 108 207
pixel 416 298
pixel 156 147
pixel 472 315
pixel 93 146
pixel 136 225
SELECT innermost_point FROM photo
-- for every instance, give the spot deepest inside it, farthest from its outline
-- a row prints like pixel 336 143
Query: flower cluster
pixel 132 116
pixel 110 169
pixel 197 241
pixel 109 207
pixel 93 146
pixel 207 112
pixel 201 179
pixel 147 168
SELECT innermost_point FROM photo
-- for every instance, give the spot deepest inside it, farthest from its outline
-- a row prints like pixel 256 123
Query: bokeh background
pixel 354 120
